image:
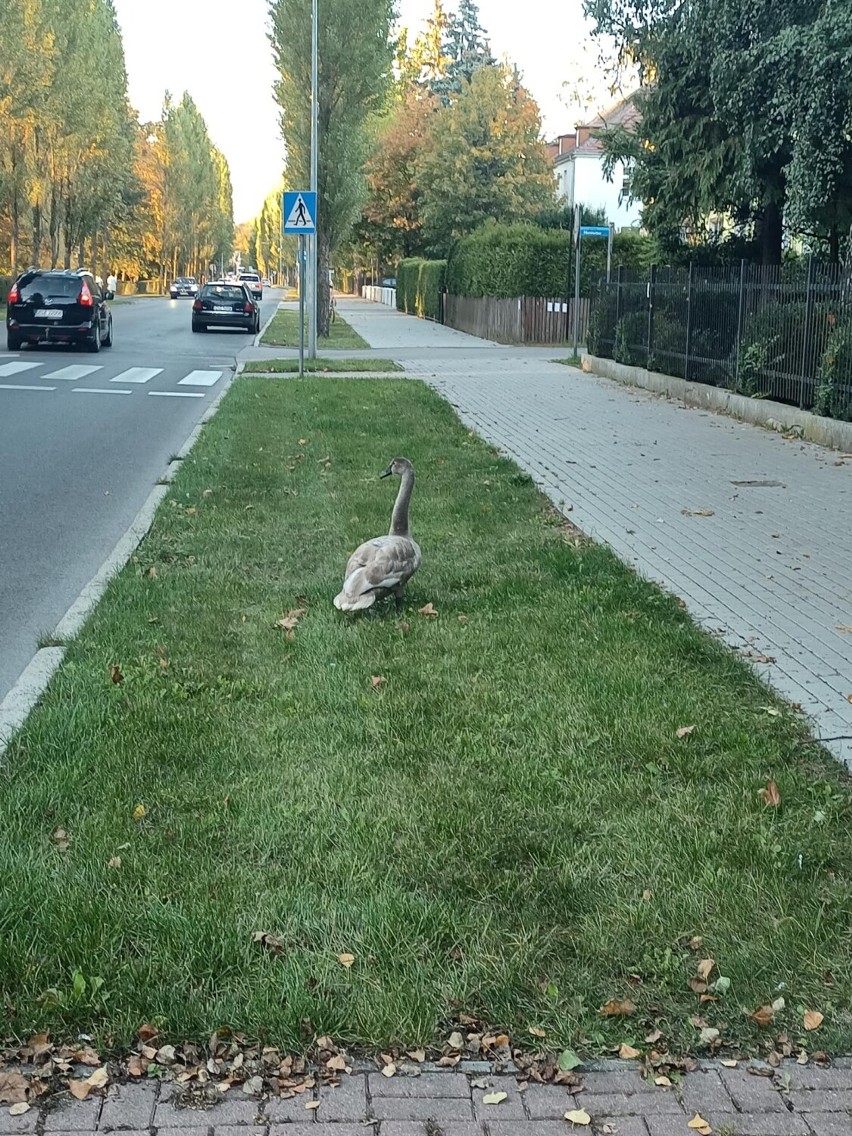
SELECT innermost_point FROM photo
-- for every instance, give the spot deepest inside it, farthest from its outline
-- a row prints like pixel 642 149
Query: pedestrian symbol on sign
pixel 299 212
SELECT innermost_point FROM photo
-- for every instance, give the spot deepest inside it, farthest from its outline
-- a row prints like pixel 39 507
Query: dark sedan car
pixel 56 306
pixel 225 305
pixel 183 286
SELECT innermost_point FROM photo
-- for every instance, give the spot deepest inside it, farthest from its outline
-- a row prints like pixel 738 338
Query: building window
pixel 627 182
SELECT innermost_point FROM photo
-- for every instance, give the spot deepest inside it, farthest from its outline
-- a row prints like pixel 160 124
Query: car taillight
pixel 85 297
pixel 14 295
pixel 248 307
pixel 196 307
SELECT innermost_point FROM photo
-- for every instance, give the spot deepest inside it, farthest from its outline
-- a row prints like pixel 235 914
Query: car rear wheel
pixel 13 342
pixel 108 340
pixel 93 341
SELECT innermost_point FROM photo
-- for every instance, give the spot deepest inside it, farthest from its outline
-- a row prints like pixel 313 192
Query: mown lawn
pixel 288 366
pixel 508 825
pixel 284 332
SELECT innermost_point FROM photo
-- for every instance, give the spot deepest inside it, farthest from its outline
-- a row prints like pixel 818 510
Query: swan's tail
pixel 343 602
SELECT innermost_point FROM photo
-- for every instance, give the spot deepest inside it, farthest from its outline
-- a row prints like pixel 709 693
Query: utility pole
pixel 313 276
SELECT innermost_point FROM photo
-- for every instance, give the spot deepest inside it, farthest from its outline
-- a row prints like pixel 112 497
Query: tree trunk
pixel 834 245
pixel 13 243
pixel 323 288
pixel 38 218
pixel 770 232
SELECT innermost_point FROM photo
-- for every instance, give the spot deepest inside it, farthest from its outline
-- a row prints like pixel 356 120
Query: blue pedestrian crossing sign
pixel 300 211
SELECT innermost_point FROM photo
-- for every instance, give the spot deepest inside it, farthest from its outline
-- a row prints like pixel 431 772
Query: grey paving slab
pixel 439 1109
pixel 128 1107
pixel 426 1085
pixel 73 1116
pixel 766 572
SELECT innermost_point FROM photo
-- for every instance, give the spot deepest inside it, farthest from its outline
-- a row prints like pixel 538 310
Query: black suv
pixel 56 306
pixel 220 304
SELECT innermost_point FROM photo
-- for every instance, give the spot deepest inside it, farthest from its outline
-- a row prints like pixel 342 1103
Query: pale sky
pixel 218 51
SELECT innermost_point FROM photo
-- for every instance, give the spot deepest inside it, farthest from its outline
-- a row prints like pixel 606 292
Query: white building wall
pixel 592 189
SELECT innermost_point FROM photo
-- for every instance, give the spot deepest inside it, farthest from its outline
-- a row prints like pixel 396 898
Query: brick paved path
pixel 770 571
pixel 799 1101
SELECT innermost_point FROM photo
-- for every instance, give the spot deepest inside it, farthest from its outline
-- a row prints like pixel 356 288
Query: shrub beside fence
pixel 781 332
pixel 420 287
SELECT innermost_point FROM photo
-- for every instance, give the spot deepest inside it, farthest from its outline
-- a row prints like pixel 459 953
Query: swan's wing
pixel 376 567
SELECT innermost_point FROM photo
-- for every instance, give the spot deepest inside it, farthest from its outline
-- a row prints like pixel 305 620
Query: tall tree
pixel 485 159
pixel 355 58
pixel 465 49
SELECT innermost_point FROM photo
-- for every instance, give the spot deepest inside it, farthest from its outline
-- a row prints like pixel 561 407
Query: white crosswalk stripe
pixel 15 368
pixel 175 394
pixel 137 375
pixel 71 374
pixel 99 390
pixel 200 379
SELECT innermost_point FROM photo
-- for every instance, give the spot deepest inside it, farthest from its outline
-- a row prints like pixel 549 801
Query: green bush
pixel 778 347
pixel 834 379
pixel 419 284
pixel 631 339
pixel 508 261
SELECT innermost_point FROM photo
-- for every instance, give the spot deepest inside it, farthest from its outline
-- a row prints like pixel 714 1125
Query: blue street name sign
pixel 299 212
pixel 594 230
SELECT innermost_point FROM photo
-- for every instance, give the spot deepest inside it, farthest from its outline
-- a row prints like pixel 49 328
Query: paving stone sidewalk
pixel 797 1101
pixel 752 531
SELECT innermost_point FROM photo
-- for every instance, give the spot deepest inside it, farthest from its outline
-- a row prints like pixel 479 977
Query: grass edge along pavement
pixel 288 366
pixel 283 331
pixel 540 806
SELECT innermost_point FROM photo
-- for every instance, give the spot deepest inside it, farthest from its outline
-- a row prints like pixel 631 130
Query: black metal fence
pixel 781 332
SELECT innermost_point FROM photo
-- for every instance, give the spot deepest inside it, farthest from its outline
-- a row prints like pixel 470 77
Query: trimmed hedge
pixel 419 284
pixel 507 261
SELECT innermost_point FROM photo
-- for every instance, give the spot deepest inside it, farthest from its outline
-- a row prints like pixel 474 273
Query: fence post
pixel 652 295
pixel 809 320
pixel 688 324
pixel 619 285
pixel 740 316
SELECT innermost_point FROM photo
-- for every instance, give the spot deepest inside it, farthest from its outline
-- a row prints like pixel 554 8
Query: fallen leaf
pixel 376 681
pixel 763 1015
pixel 684 731
pixel 464 619
pixel 722 984
pixel 346 960
pixel 115 674
pixel 139 812
pixel 207 493
pixel 404 627
pixel 79 1089
pixel 647 895
pixel 709 1034
pixel 770 795
pixel 700 1124
pixel 663 1082
pixel 389 1070
pixel 456 1040
pixel 537 1031
pixel 99 1078
pixel 146 1032
pixel 135 1068
pixel 653 1037
pixel 312 1104
pixel 846 628
pixel 337 1063
pixel 269 941
pixel 617 1008
pixel 569 1060
pixel 627 1052
pixel 813 1019
pixel 697 985
pixel 191 511
pixel 289 620
pixel 427 609
pixel 695 943
pixel 114 862
pixel 697 512
pixel 13 1087
pixel 778 1005
pixel 729 1064
pixel 578 1116
pixel 494 1098
pixel 705 968
pixel 303 441
pixel 417 1054
pixel 61 838
pixel 19 1109
pixel 151 572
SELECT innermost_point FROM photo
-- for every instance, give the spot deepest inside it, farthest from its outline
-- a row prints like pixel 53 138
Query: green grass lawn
pixel 284 332
pixel 272 366
pixel 508 825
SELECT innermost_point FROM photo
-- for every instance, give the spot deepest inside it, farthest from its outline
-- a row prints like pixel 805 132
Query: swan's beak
pixel 387 472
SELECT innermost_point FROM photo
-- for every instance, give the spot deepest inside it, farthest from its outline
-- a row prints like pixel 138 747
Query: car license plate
pixel 220 309
pixel 49 313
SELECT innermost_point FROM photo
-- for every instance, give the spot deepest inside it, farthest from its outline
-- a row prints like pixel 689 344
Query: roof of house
pixel 624 112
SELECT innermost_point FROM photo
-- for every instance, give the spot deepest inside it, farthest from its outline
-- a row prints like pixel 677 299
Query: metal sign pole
pixel 314 277
pixel 576 313
pixel 609 252
pixel 301 305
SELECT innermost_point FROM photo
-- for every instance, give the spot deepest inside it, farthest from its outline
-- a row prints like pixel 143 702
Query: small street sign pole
pixel 314 274
pixel 609 252
pixel 578 233
pixel 299 217
pixel 301 305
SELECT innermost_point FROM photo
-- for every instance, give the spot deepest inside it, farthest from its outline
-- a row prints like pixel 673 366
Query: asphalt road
pixel 80 452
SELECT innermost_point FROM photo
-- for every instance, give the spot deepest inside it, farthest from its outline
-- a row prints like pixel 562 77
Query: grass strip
pixel 273 366
pixel 284 332
pixel 507 824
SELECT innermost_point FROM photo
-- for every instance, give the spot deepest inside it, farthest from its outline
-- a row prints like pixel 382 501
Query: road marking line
pixel 200 379
pixel 16 368
pixel 137 375
pixel 16 387
pixel 176 394
pixel 98 390
pixel 78 371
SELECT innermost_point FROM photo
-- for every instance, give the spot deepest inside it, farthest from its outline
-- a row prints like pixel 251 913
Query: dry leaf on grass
pixel 114 862
pixel 376 681
pixel 427 610
pixel 61 838
pixel 464 619
pixel 627 1052
pixel 578 1116
pixel 617 1008
pixel 79 1089
pixel 416 1054
pixel 663 1082
pixel 289 620
pixel 99 1078
pixel 770 795
pixel 684 731
pixel 146 1032
pixel 705 968
pixel 762 1016
pixel 115 674
pixel 494 1098
pixel 139 812
pixel 13 1087
pixel 537 1031
pixel 346 960
pixel 813 1019
pixel 389 1070
pixel 269 941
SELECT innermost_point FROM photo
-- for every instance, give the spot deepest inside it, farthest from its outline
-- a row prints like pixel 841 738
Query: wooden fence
pixel 529 319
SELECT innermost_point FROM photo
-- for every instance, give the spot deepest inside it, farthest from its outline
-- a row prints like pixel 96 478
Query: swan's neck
pixel 399 520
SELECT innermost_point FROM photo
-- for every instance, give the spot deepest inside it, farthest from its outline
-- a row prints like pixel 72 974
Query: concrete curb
pixel 262 332
pixel 33 681
pixel 830 432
